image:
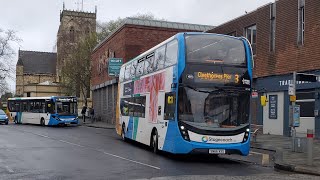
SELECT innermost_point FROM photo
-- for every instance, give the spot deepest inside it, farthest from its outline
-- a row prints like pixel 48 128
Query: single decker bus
pixel 54 110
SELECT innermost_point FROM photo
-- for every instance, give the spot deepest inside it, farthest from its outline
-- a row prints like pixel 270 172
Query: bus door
pixel 26 114
pixel 34 117
pixel 163 123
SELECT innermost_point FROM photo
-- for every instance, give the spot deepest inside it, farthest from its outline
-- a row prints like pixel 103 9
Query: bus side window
pixel 171 53
pixel 170 106
pixel 127 72
pixel 139 71
pixel 160 58
pixel 24 106
pixel 148 65
pixel 124 108
pixel 49 107
pixel 121 76
pixel 133 69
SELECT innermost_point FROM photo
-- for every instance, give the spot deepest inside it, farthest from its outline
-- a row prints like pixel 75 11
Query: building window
pixel 28 94
pixel 251 35
pixel 272 26
pixel 306 100
pixel 301 21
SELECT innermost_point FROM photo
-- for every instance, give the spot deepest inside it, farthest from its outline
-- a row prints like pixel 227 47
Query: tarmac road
pixel 35 152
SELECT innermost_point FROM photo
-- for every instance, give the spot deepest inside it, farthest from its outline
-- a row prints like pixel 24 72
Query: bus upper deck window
pixel 171 53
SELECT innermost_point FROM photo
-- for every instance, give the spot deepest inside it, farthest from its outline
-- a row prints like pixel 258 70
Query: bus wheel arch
pixel 154 140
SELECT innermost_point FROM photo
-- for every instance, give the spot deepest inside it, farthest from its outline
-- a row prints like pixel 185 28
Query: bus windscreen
pixel 214 50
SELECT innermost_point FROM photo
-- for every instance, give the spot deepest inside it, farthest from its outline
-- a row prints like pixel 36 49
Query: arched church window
pixel 87 30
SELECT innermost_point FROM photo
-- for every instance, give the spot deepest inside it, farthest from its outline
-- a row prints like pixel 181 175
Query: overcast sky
pixel 37 21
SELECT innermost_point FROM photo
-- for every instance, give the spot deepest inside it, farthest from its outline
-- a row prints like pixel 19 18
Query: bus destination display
pixel 211 77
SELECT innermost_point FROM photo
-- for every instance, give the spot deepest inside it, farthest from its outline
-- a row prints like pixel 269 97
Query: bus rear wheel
pixel 154 142
pixel 123 134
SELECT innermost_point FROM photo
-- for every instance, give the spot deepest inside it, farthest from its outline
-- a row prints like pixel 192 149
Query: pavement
pixel 97 124
pixel 285 158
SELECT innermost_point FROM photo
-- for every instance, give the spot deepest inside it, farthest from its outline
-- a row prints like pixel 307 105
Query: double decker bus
pixel 54 110
pixel 189 94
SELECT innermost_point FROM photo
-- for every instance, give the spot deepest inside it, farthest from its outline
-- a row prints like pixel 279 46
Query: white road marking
pixel 253 152
pixel 71 143
pixel 137 162
pixel 42 135
pixel 123 158
pixel 9 169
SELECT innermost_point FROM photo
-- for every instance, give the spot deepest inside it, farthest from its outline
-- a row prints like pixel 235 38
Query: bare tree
pixel 76 70
pixel 6 51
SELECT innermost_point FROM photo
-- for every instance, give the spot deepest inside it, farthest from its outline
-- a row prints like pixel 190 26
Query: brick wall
pixel 127 43
pixel 288 56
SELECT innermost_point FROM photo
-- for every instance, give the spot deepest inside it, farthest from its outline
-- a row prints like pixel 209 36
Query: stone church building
pixel 39 73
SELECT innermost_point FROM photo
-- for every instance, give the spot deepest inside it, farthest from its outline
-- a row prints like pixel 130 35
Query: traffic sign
pixel 114 66
pixel 254 94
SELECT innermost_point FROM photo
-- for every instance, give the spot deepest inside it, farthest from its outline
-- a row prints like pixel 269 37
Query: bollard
pixel 310 146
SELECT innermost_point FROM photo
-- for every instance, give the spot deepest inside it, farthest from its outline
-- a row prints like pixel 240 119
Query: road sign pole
pixel 293 103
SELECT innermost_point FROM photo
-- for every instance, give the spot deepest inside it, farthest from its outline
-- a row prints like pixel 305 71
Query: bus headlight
pixel 184 133
pixel 246 135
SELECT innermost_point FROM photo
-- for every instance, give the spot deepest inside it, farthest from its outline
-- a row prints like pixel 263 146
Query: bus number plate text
pixel 217 151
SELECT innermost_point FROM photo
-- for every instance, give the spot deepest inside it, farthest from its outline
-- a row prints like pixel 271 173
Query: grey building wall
pixel 105 101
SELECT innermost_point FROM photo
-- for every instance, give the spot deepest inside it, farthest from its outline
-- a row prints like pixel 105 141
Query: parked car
pixel 3 117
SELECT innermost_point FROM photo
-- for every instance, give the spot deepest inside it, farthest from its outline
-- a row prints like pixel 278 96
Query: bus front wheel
pixel 154 142
pixel 42 122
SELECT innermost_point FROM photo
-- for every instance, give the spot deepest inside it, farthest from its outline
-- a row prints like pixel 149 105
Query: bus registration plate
pixel 217 151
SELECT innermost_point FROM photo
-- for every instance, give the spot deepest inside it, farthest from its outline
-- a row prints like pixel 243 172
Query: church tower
pixel 74 25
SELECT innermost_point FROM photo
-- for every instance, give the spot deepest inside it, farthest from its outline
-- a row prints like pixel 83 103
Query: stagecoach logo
pixel 217 140
pixel 204 139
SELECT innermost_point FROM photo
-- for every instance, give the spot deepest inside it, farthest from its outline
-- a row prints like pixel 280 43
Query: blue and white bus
pixel 50 111
pixel 189 94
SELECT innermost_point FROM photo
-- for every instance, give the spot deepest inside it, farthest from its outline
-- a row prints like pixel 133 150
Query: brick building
pixel 284 36
pixel 130 39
